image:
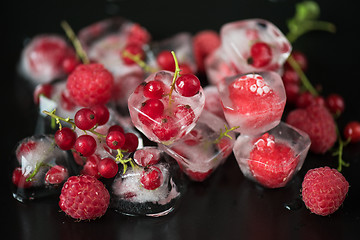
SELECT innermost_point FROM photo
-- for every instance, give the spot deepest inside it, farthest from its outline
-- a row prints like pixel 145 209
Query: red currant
pixel 102 114
pixel 42 89
pixel 115 139
pixel 25 148
pixel 261 55
pixel 85 119
pixel 187 85
pixel 151 178
pixel 194 137
pixel 108 168
pixel 352 131
pixel 116 128
pixel 185 69
pixel 292 91
pixel 147 156
pixel 66 101
pixel 69 64
pixel 65 138
pixel 19 179
pixel 166 61
pixel 335 103
pixel 131 142
pixel 134 49
pixel 151 109
pixel 56 174
pixel 300 58
pixel 154 89
pixel 305 99
pixel 85 145
pixel 290 76
pixel 91 166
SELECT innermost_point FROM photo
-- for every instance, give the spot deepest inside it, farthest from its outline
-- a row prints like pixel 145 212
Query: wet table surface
pixel 227 205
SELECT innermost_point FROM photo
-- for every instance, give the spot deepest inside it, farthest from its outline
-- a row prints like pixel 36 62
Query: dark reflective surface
pixel 226 206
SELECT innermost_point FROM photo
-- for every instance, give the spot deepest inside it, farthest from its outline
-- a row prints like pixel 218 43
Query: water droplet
pixel 294 205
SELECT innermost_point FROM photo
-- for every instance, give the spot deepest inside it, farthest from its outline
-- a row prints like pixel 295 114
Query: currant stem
pixel 176 74
pixel 339 151
pixel 307 26
pixel 225 133
pixel 137 59
pixel 304 80
pixel 76 42
pixel 119 158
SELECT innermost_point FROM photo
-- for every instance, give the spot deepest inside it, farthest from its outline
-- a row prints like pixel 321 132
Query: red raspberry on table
pixel 324 190
pixel 204 43
pixel 90 85
pixel 272 164
pixel 84 197
pixel 318 123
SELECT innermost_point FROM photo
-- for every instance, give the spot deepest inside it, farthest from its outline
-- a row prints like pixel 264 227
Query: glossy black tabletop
pixel 227 205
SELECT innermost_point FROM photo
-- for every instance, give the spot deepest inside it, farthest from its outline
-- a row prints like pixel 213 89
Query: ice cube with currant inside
pixel 254 102
pixel 152 187
pixel 272 158
pixel 204 148
pixel 161 111
pixel 160 57
pixel 105 42
pixel 42 58
pixel 254 45
pixel 40 168
pixel 213 101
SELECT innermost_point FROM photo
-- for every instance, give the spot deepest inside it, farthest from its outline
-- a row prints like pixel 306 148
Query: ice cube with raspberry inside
pixel 162 118
pixel 253 102
pixel 202 150
pixel 273 158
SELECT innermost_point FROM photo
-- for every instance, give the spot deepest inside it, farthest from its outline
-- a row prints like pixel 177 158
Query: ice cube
pixel 253 102
pixel 130 197
pixel 202 150
pixel 254 45
pixel 42 58
pixel 34 157
pixel 162 119
pixel 104 42
pixel 273 158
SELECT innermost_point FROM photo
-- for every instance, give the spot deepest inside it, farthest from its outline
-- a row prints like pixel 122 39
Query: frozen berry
pixel 147 156
pixel 154 89
pixel 151 109
pixel 133 49
pixel 184 114
pixel 131 142
pixel 84 197
pixel 261 55
pixel 56 175
pixel 19 179
pixel 90 84
pixel 204 43
pixel 151 178
pixel 42 89
pixel 324 190
pixel 165 128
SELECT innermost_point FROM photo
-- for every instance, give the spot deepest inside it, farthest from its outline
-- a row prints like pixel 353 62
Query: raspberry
pixel 324 190
pixel 204 43
pixel 90 85
pixel 84 197
pixel 318 123
pixel 272 163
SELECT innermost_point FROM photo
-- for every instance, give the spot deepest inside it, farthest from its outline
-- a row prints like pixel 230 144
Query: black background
pixel 226 206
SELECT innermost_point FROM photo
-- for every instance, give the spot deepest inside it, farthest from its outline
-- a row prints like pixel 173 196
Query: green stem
pixel 176 74
pixel 304 80
pixel 307 26
pixel 119 158
pixel 137 59
pixel 225 133
pixel 76 42
pixel 339 151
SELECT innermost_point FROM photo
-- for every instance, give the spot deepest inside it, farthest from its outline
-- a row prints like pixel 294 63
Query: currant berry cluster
pixel 85 146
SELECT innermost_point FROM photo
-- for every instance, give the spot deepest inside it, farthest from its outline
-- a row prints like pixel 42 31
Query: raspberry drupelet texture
pixel 324 190
pixel 84 197
pixel 90 85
